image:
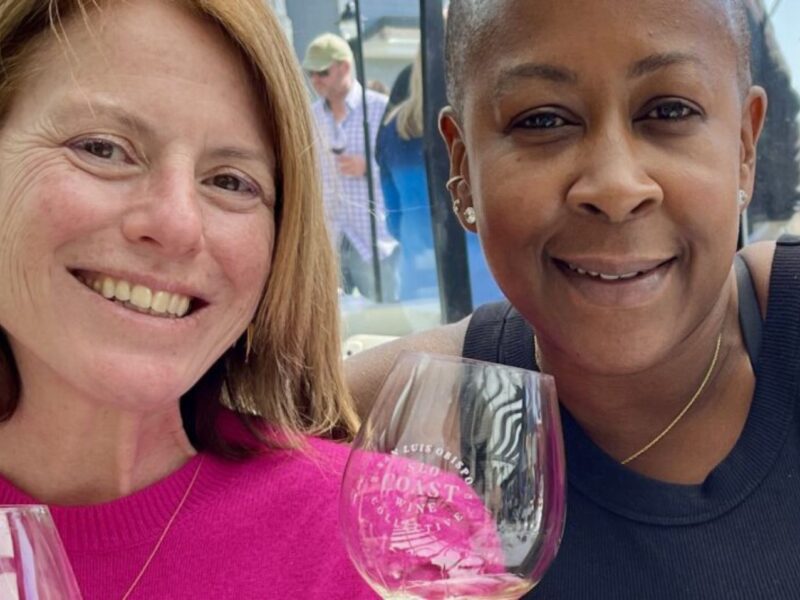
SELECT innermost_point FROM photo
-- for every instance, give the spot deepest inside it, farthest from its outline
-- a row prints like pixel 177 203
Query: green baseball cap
pixel 325 50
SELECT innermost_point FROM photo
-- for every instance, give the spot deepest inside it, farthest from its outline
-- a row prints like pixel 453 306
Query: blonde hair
pixel 409 114
pixel 291 377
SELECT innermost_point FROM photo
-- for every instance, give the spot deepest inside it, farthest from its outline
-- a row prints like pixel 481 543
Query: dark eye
pixel 673 110
pixel 102 149
pixel 543 120
pixel 232 183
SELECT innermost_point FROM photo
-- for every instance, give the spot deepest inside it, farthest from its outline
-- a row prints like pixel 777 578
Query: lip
pixel 141 318
pixel 612 266
pixel 623 293
pixel 154 283
pixel 141 321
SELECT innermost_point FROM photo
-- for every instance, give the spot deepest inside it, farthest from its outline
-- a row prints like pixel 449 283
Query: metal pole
pixel 449 238
pixel 372 205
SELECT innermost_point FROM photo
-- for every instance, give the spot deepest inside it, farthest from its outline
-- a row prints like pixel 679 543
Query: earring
pixel 453 181
pixel 248 344
pixel 742 198
pixel 457 205
pixel 469 215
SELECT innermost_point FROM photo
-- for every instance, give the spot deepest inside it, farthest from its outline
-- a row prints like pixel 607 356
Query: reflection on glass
pixel 455 484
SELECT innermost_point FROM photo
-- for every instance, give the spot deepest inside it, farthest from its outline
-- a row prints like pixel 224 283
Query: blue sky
pixel 786 22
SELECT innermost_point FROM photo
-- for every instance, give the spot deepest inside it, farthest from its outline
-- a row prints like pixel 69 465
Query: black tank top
pixel 737 535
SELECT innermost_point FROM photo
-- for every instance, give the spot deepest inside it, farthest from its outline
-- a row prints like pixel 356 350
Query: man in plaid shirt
pixel 340 120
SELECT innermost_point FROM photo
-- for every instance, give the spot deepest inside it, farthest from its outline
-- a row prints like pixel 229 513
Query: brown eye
pixel 102 149
pixel 672 111
pixel 228 182
pixel 541 121
pixel 232 183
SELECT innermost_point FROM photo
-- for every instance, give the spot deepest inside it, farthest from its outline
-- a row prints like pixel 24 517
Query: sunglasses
pixel 323 73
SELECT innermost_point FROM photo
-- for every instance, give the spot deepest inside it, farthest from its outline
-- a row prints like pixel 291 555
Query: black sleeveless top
pixel 737 535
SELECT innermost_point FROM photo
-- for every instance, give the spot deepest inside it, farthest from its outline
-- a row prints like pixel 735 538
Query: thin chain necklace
pixel 163 535
pixel 668 428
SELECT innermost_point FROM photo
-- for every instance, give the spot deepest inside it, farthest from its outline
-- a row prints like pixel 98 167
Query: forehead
pixel 600 36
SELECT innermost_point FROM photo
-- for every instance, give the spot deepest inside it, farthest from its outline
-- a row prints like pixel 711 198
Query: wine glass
pixel 33 563
pixel 455 484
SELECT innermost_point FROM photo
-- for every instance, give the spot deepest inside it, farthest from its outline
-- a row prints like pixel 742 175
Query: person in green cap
pixel 339 113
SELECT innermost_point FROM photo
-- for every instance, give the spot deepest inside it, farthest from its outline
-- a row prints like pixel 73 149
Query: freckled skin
pixel 156 207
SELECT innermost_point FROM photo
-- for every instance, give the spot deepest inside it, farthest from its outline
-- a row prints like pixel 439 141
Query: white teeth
pixel 160 302
pixel 123 291
pixel 139 297
pixel 109 288
pixel 603 276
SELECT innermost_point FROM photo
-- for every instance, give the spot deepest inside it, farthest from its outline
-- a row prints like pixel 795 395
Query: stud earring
pixel 469 215
pixel 742 201
pixel 456 205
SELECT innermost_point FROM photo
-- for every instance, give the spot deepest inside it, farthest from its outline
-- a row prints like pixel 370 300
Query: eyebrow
pixel 236 153
pixel 562 75
pixel 541 71
pixel 74 108
pixel 656 62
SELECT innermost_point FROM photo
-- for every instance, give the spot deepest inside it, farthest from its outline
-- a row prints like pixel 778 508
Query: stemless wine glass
pixel 33 563
pixel 455 484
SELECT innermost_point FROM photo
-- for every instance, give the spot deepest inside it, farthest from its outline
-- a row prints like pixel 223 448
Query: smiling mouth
pixel 610 277
pixel 138 297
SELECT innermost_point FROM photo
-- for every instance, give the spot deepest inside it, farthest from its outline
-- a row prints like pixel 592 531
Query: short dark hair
pixel 472 24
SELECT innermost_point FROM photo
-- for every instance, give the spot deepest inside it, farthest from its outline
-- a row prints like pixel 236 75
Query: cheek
pixel 516 201
pixel 38 215
pixel 244 249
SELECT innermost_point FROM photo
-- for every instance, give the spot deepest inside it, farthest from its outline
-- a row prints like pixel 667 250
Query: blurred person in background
pixel 400 154
pixel 339 113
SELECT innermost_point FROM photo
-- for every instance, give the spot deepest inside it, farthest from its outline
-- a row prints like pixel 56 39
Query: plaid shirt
pixel 347 198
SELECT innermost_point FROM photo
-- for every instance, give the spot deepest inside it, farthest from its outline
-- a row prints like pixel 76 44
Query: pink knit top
pixel 263 528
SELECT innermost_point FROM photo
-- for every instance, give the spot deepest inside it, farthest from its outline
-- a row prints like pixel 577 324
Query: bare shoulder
pixel 366 370
pixel 758 257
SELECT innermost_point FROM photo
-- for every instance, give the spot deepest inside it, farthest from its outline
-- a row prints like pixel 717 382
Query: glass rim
pixel 455 358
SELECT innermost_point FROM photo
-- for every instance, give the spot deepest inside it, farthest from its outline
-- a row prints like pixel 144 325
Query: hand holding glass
pixel 455 484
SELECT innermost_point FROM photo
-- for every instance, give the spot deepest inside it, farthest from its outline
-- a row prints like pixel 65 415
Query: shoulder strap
pixel 485 331
pixel 749 314
pixel 498 333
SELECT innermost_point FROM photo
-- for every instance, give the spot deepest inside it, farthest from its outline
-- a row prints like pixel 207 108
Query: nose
pixel 168 216
pixel 613 182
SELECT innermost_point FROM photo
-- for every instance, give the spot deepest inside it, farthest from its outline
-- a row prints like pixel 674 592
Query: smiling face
pixel 604 144
pixel 136 206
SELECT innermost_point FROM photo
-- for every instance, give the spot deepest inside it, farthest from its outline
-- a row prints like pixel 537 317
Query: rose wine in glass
pixel 455 484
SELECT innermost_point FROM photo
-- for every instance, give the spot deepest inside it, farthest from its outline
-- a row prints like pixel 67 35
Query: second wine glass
pixel 455 484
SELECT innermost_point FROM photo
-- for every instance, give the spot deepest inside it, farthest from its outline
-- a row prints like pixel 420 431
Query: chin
pixel 138 385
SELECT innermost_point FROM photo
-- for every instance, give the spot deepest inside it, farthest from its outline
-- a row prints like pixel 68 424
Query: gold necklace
pixel 668 428
pixel 165 531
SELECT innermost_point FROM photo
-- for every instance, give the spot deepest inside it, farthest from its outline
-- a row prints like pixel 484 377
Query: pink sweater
pixel 263 528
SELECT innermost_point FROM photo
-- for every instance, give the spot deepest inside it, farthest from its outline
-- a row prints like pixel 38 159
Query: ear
pixel 754 111
pixel 450 130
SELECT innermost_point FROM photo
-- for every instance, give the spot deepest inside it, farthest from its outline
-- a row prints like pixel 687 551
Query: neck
pixel 64 447
pixel 622 414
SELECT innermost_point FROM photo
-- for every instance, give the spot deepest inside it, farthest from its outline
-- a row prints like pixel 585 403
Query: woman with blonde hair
pixel 400 153
pixel 169 358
